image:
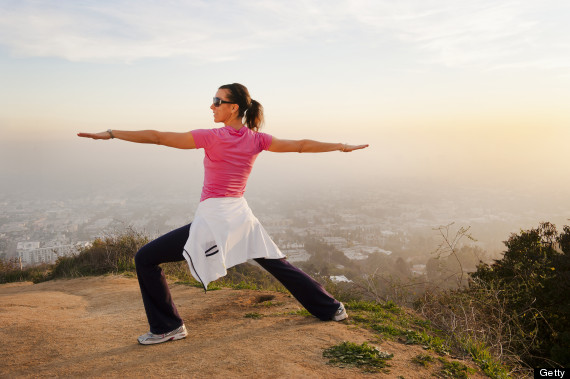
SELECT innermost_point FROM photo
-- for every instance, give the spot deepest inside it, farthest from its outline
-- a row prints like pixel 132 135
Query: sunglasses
pixel 217 102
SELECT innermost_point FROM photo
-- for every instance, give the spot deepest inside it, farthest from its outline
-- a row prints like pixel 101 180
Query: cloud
pixel 484 33
pixel 126 30
pixel 121 30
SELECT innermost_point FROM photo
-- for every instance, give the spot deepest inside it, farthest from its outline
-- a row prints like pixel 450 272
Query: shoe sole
pixel 340 319
pixel 162 340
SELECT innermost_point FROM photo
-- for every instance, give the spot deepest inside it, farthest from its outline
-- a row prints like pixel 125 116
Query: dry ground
pixel 87 327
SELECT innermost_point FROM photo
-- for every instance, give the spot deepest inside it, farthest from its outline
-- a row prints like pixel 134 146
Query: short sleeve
pixel 203 138
pixel 264 140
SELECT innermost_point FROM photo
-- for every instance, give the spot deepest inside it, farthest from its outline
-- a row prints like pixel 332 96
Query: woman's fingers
pixel 350 148
pixel 102 135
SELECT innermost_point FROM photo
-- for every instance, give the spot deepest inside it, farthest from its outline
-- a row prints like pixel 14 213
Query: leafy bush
pixel 518 307
pixel 113 254
pixel 10 272
pixel 533 279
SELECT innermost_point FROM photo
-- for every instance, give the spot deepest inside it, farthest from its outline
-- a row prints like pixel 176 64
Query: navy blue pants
pixel 159 306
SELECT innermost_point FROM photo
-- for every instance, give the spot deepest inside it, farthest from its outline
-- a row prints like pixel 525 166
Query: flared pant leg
pixel 160 310
pixel 310 293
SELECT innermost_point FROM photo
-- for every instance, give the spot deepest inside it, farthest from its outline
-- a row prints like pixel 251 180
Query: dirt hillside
pixel 88 327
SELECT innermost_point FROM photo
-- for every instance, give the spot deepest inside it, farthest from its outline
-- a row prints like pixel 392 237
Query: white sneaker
pixel 340 314
pixel 151 338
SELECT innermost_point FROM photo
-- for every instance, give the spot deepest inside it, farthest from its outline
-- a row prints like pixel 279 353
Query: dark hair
pixel 252 110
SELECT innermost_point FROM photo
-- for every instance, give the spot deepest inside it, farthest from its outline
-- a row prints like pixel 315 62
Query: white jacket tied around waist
pixel 225 233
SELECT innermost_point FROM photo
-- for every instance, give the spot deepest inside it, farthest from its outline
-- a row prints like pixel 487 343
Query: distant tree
pixel 447 271
pixel 376 261
pixel 452 259
pixel 402 268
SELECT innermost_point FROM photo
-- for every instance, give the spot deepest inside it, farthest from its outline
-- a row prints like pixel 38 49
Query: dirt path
pixel 88 327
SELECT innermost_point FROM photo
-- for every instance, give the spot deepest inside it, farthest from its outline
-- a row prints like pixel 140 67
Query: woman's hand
pixel 102 135
pixel 348 148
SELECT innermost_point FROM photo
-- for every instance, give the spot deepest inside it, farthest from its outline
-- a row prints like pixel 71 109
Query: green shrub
pixel 424 360
pixel 516 310
pixel 454 370
pixel 486 361
pixel 364 356
pixel 111 255
pixel 10 272
pixel 532 281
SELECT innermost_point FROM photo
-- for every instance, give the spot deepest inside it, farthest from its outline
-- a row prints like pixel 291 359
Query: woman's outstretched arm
pixel 309 146
pixel 170 139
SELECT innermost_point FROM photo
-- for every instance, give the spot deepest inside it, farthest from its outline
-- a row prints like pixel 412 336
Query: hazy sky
pixel 458 91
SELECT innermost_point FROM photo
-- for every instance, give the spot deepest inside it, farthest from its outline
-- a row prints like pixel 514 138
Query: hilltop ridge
pixel 88 327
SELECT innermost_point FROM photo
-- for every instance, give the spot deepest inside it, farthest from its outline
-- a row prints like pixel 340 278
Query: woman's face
pixel 225 112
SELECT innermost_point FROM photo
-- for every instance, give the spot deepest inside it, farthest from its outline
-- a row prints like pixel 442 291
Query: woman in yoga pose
pixel 224 231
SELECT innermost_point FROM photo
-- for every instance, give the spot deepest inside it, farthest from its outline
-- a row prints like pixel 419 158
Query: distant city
pixel 358 221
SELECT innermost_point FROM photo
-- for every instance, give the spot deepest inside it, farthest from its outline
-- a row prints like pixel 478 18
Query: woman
pixel 224 231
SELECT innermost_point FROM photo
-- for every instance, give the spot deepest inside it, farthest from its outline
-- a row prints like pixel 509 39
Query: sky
pixel 449 92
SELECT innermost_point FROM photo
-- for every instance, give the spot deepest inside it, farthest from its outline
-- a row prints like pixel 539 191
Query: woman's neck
pixel 236 124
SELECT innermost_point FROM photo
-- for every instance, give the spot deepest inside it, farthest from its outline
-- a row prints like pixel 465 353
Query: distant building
pixel 338 242
pixel 361 252
pixel 355 254
pixel 28 245
pixel 34 256
pixel 296 255
pixel 419 269
pixel 339 278
pixel 37 256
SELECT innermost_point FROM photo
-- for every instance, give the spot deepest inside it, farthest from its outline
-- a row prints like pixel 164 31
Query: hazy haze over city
pixel 462 103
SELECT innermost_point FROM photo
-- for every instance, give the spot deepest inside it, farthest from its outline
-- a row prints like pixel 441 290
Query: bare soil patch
pixel 88 327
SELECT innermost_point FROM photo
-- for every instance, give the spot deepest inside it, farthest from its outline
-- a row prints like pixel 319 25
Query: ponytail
pixel 254 116
pixel 251 109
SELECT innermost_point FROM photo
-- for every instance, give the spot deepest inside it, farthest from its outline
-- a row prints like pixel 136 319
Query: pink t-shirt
pixel 229 158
